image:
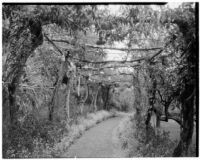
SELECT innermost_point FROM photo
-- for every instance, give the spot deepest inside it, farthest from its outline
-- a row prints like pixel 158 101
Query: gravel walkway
pixel 98 142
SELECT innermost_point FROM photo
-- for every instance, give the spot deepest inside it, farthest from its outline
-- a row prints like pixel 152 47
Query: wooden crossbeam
pixel 123 62
pixel 124 49
pixel 110 48
pixel 106 67
pixel 120 74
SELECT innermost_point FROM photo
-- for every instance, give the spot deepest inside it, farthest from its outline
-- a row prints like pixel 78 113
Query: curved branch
pixel 162 100
pixel 174 117
pixel 61 40
pixel 53 44
pixel 156 54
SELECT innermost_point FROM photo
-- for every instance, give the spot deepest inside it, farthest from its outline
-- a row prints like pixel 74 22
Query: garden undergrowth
pixel 133 138
pixel 36 140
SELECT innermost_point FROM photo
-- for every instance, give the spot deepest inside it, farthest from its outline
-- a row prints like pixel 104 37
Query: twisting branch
pixel 174 117
pixel 162 100
pixel 193 93
pixel 156 54
pixel 53 44
pixel 60 40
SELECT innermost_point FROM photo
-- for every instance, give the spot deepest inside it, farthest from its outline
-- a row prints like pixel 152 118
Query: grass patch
pixel 125 134
pixel 132 139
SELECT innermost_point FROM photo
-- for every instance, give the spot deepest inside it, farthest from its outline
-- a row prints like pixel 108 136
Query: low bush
pixel 123 132
pixel 139 143
pixel 151 143
pixel 125 105
pixel 192 150
pixel 32 136
pixel 34 139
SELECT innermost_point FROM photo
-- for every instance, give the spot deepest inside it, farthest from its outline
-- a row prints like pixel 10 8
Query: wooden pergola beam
pixel 120 74
pixel 108 62
pixel 110 48
pixel 124 49
pixel 111 82
pixel 122 62
pixel 117 66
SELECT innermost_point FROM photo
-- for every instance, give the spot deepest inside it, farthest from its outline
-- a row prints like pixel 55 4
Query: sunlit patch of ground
pixel 174 130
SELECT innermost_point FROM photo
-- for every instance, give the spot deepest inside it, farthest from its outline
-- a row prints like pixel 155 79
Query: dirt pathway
pixel 98 142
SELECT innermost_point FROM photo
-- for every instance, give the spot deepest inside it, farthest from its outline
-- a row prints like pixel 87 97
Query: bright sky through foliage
pixel 115 9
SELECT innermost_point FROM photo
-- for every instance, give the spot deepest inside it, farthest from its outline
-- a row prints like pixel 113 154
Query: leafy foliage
pixel 152 144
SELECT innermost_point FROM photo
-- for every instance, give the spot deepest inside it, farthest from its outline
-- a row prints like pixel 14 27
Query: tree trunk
pixel 88 93
pixel 92 102
pixel 95 99
pixel 85 98
pixel 12 103
pixel 68 102
pixel 78 88
pixel 53 103
pixel 105 95
pixel 147 123
pixel 22 45
pixel 188 122
pixel 166 110
pixel 137 93
pixel 157 120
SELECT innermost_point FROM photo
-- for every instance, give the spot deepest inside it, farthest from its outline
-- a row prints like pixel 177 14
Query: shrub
pixel 125 105
pixel 21 137
pixel 137 143
pixel 33 138
pixel 150 143
pixel 192 150
pixel 123 131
